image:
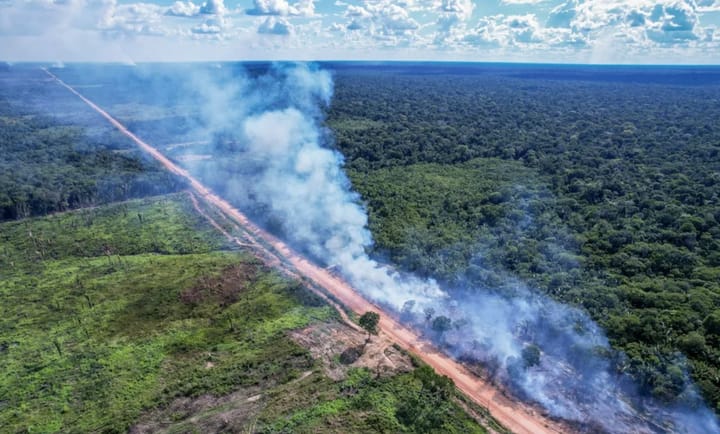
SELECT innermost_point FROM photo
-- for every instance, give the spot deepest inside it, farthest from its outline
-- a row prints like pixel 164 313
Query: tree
pixel 441 324
pixel 425 408
pixel 406 313
pixel 369 321
pixel 692 343
pixel 712 323
pixel 531 355
pixel 429 312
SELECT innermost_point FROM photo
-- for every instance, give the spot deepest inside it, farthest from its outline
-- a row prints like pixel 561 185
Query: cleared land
pixel 140 315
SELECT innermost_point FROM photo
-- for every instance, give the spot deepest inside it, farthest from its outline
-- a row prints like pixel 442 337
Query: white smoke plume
pixel 300 179
pixel 275 160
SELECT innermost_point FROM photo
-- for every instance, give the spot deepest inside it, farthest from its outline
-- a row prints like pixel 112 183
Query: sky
pixel 551 31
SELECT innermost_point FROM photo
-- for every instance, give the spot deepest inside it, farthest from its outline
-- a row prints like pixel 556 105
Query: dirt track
pixel 514 416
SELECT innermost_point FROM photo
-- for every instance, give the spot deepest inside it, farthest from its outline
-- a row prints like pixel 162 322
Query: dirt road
pixel 514 416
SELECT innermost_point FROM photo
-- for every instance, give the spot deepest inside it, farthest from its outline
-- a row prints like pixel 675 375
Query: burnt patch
pixel 224 289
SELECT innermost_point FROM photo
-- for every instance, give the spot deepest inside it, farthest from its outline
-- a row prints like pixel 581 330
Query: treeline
pixel 601 194
pixel 48 166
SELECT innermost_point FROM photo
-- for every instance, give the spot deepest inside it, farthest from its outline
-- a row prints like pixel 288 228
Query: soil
pixel 206 413
pixel 328 342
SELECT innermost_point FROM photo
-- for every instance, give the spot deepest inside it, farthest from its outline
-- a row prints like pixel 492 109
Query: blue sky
pixel 564 31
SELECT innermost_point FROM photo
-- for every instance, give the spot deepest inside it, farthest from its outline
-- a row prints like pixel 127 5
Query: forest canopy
pixel 58 155
pixel 597 186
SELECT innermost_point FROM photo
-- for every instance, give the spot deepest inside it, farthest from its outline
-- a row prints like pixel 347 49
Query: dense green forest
pixel 601 193
pixel 58 155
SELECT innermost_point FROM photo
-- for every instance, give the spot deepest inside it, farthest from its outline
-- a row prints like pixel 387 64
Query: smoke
pixel 307 191
pixel 275 160
pixel 296 178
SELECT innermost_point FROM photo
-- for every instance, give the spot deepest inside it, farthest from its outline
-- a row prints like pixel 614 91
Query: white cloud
pixel 708 5
pixel 382 19
pixel 270 7
pixel 357 12
pixel 674 23
pixel 507 31
pixel 133 19
pixel 638 21
pixel 394 19
pixel 304 8
pixel 183 9
pixel 207 28
pixel 462 9
pixel 578 30
pixel 521 2
pixel 275 26
pixel 453 16
pixel 213 7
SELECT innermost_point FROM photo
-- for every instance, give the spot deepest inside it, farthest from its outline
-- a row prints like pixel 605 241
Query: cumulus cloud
pixel 660 21
pixel 183 9
pixel 304 8
pixel 275 26
pixel 207 28
pixel 521 2
pixel 133 19
pixel 452 15
pixel 357 12
pixel 506 31
pixel 394 19
pixel 462 9
pixel 382 19
pixel 708 5
pixel 574 28
pixel 213 7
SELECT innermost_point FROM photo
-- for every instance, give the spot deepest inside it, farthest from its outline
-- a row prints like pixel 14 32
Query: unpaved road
pixel 514 416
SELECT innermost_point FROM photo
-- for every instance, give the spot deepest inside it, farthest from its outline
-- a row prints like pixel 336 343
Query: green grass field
pixel 111 315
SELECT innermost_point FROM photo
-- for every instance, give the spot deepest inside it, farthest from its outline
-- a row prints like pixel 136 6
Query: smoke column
pixel 282 166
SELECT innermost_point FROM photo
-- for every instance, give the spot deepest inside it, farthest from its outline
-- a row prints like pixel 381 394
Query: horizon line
pixel 357 61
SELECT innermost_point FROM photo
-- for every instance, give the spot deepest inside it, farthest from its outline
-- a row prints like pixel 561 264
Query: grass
pixel 161 225
pixel 417 401
pixel 90 339
pixel 133 314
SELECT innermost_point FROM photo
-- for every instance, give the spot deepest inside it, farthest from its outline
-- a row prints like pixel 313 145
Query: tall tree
pixel 369 321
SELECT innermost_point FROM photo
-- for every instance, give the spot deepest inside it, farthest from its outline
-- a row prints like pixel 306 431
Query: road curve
pixel 516 417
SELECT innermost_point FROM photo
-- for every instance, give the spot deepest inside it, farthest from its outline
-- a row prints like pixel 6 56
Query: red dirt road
pixel 517 417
